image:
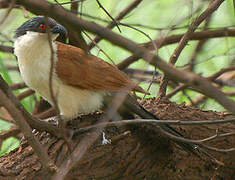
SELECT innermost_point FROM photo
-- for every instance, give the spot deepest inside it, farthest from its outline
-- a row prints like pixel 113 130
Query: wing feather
pixel 85 71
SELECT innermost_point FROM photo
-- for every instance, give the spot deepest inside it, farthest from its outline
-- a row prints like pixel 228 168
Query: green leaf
pixel 8 145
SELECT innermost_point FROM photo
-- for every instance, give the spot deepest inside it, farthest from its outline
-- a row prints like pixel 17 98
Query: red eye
pixel 42 27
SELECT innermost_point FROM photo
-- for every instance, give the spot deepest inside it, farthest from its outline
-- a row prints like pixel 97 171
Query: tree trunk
pixel 136 152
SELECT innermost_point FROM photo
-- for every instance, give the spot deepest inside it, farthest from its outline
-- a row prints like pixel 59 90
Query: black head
pixel 38 24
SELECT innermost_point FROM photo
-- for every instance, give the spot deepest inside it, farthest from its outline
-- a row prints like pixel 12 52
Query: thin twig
pixel 199 46
pixel 114 21
pixel 183 42
pixel 75 37
pixel 13 131
pixel 25 94
pixel 132 71
pixel 220 72
pixel 199 143
pixel 121 15
pixel 153 121
pixel 54 99
pixel 223 32
pixel 69 2
pixel 11 6
pixel 46 114
pixel 17 86
pixel 211 78
pixel 8 119
pixel 100 49
pixel 6 49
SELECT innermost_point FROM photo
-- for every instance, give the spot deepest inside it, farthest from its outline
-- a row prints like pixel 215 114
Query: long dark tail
pixel 135 107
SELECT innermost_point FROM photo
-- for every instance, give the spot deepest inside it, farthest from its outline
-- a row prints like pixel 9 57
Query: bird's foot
pixel 53 120
pixel 104 140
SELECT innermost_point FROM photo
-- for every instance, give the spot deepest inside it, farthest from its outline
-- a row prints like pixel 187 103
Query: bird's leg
pixel 61 122
pixel 53 120
pixel 104 140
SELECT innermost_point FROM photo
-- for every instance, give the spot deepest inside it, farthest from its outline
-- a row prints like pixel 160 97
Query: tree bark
pixel 136 152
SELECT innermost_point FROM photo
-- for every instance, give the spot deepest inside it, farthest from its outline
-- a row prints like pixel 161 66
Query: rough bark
pixel 136 152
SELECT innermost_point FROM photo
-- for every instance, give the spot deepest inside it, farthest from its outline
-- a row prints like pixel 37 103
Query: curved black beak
pixel 60 30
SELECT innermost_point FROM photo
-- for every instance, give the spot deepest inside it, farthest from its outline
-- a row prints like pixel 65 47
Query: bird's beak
pixel 59 29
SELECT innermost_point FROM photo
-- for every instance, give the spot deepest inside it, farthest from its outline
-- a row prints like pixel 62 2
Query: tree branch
pixel 213 5
pixel 27 131
pixel 121 15
pixel 68 19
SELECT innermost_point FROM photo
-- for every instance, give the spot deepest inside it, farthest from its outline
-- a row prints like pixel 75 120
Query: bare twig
pixel 176 90
pixel 16 86
pixel 70 2
pixel 225 32
pixel 197 142
pixel 52 92
pixel 219 33
pixel 145 34
pixel 46 114
pixel 198 100
pixel 141 72
pixel 6 49
pixel 13 131
pixel 12 4
pixel 25 94
pixel 211 78
pixel 220 72
pixel 100 49
pixel 114 21
pixel 75 37
pixel 211 8
pixel 12 68
pixel 199 46
pixel 175 122
pixel 52 65
pixel 8 119
pixel 121 15
pixel 153 121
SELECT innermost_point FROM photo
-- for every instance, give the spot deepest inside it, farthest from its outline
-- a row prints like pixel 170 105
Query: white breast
pixel 34 58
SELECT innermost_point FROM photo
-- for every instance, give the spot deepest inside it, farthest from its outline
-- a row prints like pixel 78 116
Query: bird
pixel 81 82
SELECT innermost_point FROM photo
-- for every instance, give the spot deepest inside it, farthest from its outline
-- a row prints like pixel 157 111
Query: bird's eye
pixel 42 27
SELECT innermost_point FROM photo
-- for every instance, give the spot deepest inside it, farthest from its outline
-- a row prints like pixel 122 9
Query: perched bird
pixel 81 82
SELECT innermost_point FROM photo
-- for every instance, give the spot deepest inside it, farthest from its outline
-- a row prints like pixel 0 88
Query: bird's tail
pixel 135 107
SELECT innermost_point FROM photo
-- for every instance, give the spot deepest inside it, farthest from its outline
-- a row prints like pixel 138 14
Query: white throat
pixel 32 44
pixel 34 54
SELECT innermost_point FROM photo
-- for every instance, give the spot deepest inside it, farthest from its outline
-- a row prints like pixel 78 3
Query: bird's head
pixel 40 25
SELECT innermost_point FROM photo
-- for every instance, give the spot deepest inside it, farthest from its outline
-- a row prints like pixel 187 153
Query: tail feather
pixel 135 107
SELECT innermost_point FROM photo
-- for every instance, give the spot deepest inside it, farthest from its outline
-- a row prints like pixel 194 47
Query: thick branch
pixel 202 35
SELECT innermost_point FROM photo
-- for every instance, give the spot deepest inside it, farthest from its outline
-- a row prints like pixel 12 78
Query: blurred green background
pixel 160 15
